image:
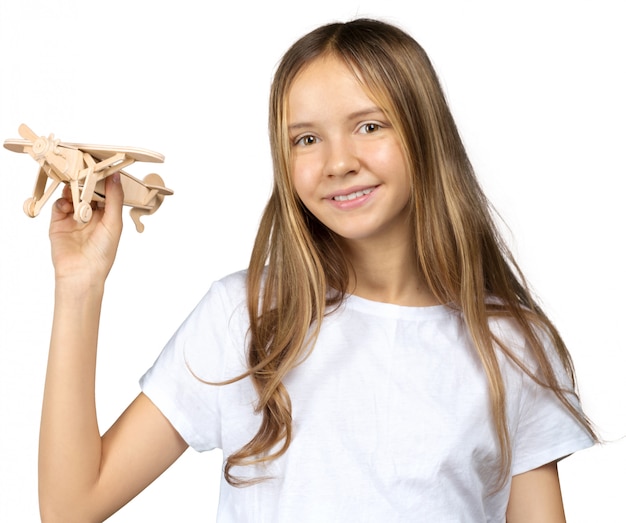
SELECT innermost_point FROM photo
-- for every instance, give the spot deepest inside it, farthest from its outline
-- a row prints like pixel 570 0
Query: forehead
pixel 326 84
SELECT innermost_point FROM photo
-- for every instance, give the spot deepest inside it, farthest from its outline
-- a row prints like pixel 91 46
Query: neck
pixel 388 274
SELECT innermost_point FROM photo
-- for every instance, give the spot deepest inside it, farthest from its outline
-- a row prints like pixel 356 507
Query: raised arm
pixel 83 476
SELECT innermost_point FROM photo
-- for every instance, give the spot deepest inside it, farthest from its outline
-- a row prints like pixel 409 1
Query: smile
pixel 352 196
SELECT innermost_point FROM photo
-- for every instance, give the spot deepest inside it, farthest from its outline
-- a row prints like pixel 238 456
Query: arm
pixel 83 477
pixel 536 497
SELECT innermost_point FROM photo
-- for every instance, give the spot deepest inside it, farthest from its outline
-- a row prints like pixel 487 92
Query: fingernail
pixel 116 177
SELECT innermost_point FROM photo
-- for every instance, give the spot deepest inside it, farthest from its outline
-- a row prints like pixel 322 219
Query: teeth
pixel 352 196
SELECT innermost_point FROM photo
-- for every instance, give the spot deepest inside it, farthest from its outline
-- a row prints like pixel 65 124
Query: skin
pixel 343 143
pixel 536 497
pixel 86 477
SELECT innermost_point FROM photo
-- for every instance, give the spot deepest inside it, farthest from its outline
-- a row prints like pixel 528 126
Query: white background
pixel 537 88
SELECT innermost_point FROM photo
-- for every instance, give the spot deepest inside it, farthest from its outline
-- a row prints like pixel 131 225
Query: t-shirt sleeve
pixel 546 430
pixel 196 354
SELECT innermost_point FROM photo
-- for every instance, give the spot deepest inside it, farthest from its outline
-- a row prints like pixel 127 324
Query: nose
pixel 343 158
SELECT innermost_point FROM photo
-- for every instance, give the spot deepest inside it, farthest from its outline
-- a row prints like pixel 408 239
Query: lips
pixel 351 193
pixel 351 198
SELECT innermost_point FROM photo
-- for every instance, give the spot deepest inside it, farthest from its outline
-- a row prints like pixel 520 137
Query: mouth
pixel 352 195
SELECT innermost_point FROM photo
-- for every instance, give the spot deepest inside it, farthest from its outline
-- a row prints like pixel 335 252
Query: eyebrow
pixel 352 116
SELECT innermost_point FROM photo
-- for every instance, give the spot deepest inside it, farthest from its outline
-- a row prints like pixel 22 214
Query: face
pixel 348 166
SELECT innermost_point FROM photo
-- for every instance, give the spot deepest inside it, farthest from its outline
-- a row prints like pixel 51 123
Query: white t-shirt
pixel 391 415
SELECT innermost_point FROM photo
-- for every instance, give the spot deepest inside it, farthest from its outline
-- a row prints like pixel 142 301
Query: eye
pixel 370 127
pixel 305 140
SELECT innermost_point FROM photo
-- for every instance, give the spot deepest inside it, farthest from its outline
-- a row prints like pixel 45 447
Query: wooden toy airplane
pixel 84 168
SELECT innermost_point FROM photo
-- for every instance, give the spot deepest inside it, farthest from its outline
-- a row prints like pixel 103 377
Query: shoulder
pixel 225 293
pixel 526 344
pixel 222 306
pixel 234 282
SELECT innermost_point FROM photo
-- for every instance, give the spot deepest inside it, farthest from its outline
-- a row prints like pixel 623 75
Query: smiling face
pixel 348 167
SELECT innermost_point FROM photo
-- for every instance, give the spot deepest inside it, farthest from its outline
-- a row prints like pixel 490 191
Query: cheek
pixel 303 178
pixel 396 165
pixel 391 156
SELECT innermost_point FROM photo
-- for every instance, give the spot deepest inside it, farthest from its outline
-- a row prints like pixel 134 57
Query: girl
pixel 381 359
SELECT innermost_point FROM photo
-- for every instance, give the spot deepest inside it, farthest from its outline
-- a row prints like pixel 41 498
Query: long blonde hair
pixel 296 260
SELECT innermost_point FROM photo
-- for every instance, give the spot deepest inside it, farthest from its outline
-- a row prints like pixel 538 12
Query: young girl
pixel 381 359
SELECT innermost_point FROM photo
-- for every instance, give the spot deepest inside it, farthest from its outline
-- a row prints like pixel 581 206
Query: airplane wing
pixel 99 152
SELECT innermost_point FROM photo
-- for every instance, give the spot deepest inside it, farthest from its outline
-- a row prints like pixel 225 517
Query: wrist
pixel 79 286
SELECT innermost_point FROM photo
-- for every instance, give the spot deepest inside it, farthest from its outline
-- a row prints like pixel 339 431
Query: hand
pixel 86 251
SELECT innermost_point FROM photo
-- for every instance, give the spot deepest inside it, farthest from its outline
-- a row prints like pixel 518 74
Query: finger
pixel 67 192
pixel 61 208
pixel 114 199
